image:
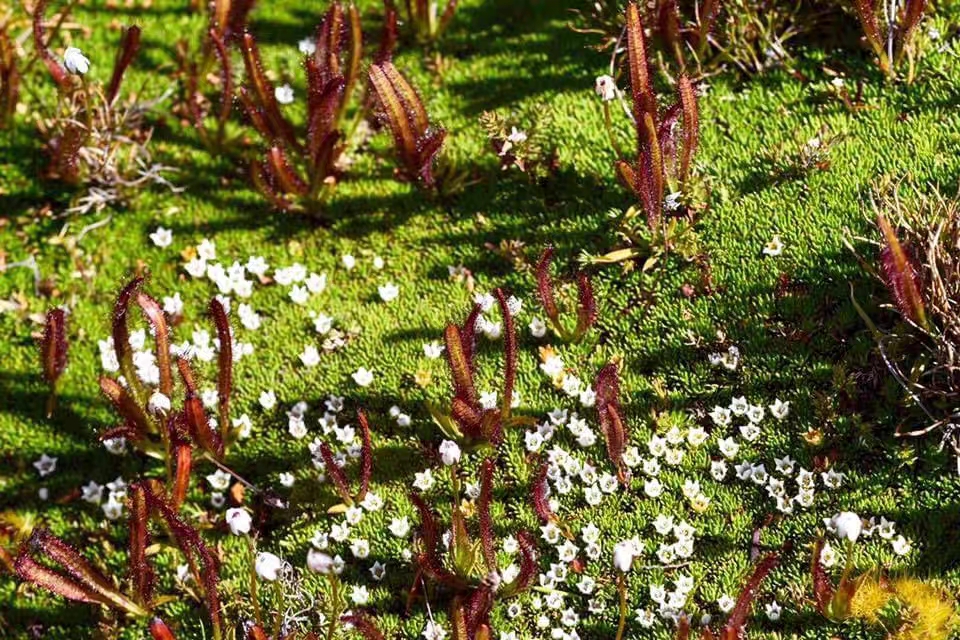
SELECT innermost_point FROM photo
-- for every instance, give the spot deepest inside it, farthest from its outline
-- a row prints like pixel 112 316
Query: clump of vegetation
pixel 893 42
pixel 339 478
pixel 207 73
pixel 471 574
pixel 521 141
pixel 700 38
pixel 53 352
pixel 299 175
pixel 736 625
pixel 468 420
pixel 150 423
pixel 906 606
pixel 660 175
pixel 93 138
pixel 416 140
pixel 586 303
pixel 919 264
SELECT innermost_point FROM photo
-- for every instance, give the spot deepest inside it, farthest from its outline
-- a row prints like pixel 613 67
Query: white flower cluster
pixel 555 368
pixel 116 492
pixel 756 472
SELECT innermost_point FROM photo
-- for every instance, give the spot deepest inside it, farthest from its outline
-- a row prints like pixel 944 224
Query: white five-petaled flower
pixel 75 62
pixel 363 377
pixel 239 521
pixel 449 452
pixel 161 237
pixel 774 247
pixel 388 292
pixel 268 566
pixel 45 465
pixel 432 350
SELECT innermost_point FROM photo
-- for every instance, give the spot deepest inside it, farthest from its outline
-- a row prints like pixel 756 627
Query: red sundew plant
pixel 227 23
pixel 897 43
pixel 470 573
pixel 467 421
pixel 339 478
pixel 149 421
pixel 79 581
pixel 586 305
pixel 299 172
pixel 607 388
pixel 736 625
pixel 417 141
pixel 664 156
pixel 53 352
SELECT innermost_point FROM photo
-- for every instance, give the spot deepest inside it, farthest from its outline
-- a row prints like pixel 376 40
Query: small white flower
pixel 287 479
pixel 207 250
pixel 432 350
pixel 239 521
pixel 623 553
pixel 671 202
pixel 310 356
pixel 284 94
pixel 112 509
pixel 319 562
pixel 606 87
pixel 268 400
pixel 360 549
pixel 726 603
pixel 359 595
pixel 196 267
pixel 363 377
pixel 828 557
pixel 162 237
pixel 75 62
pixel 257 266
pixel 848 525
pixel 299 294
pixel 901 546
pixel 423 480
pixel 45 465
pixel 400 527
pixel 349 262
pixel 832 479
pixel 378 571
pixel 219 480
pixel 718 469
pixel 307 46
pixel 779 409
pixel 388 292
pixel 774 247
pixel 158 403
pixel 268 566
pixel 773 611
pixel 449 452
pixel 92 492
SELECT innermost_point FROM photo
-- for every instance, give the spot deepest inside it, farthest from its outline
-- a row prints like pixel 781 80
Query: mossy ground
pixel 499 55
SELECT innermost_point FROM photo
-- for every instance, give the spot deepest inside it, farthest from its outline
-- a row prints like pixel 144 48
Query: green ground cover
pixel 800 343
